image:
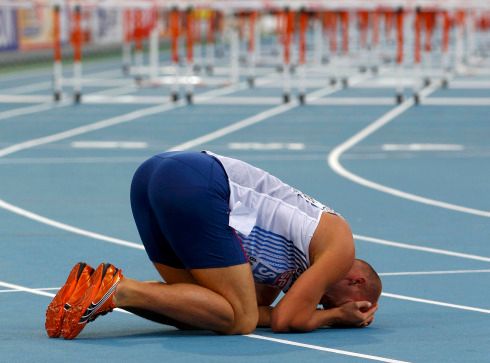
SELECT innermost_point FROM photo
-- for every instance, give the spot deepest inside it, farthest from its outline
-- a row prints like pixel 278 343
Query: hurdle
pixel 57 66
pixel 76 40
pixel 412 43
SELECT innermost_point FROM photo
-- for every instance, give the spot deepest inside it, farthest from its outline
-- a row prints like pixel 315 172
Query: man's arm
pixel 353 314
pixel 331 255
pixel 265 297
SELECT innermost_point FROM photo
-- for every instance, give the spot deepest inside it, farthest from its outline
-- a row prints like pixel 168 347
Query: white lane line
pixel 336 153
pixel 25 289
pixel 84 129
pixel 245 101
pixel 30 109
pixel 66 227
pixel 255 119
pixel 266 146
pixel 355 101
pixel 423 273
pixel 457 101
pixel 325 349
pixel 422 147
pixel 24 98
pixel 434 302
pixel 198 141
pixel 39 289
pixel 253 336
pixel 40 292
pixel 72 229
pixel 234 127
pixel 131 116
pixel 44 85
pixel 66 102
pixel 109 145
pixel 101 124
pixel 420 248
pixel 469 84
pixel 71 160
pixel 125 99
pixel 32 87
pixel 344 101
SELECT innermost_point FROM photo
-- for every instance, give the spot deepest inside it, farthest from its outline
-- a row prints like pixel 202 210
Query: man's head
pixel 361 283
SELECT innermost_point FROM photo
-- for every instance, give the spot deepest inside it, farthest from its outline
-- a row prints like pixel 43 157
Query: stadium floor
pixel 411 180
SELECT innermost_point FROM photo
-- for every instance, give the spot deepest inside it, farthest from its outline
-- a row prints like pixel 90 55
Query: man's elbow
pixel 283 325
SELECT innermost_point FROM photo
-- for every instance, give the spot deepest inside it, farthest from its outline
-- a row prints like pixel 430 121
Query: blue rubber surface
pixel 89 189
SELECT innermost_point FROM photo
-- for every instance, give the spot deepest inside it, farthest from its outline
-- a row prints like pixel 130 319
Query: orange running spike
pixel 96 301
pixel 76 282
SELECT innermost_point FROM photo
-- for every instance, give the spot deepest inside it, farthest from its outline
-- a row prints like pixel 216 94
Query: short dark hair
pixel 373 286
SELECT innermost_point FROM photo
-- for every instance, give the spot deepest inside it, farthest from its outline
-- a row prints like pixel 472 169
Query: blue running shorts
pixel 180 203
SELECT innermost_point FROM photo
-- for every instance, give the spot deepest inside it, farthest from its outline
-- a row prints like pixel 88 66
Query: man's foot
pixel 76 284
pixel 97 300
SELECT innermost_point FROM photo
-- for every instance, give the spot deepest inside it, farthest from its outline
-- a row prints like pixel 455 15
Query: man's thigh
pixel 236 285
pixel 172 275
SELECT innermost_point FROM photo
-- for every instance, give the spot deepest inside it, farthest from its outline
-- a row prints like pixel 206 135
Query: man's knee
pixel 244 324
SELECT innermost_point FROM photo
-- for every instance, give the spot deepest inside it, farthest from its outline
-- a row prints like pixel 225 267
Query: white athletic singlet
pixel 274 221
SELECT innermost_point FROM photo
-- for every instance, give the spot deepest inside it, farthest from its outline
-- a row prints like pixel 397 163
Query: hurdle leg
pixel 138 44
pixel 126 48
pixel 446 26
pixel 318 42
pixel 459 56
pixel 57 66
pixel 210 39
pixel 77 55
pixel 345 44
pixel 288 32
pixel 399 54
pixel 234 53
pixel 303 25
pixel 251 50
pixel 417 55
pixel 174 44
pixel 190 56
pixel 154 60
pixel 257 38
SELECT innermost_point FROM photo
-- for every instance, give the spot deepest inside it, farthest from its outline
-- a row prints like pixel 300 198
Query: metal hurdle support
pixel 189 54
pixel 174 44
pixel 399 53
pixel 77 41
pixel 128 37
pixel 287 32
pixel 234 52
pixel 417 54
pixel 154 46
pixel 210 44
pixel 445 61
pixel 138 45
pixel 252 48
pixel 303 26
pixel 57 66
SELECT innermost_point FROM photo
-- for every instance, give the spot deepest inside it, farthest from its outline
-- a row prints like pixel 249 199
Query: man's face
pixel 345 290
pixel 338 294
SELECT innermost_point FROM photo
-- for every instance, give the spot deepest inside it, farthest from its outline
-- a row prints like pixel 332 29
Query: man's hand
pixel 355 314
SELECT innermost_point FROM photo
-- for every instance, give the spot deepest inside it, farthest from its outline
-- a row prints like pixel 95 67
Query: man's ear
pixel 357 281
